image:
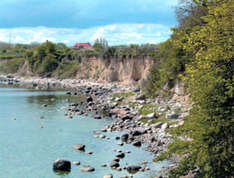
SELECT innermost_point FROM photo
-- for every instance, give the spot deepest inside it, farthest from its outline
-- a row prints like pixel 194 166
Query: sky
pixel 71 21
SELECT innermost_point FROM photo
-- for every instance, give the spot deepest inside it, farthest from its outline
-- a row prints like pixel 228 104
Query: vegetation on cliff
pixel 200 52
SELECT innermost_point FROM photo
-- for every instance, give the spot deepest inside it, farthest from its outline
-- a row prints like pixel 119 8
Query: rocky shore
pixel 105 100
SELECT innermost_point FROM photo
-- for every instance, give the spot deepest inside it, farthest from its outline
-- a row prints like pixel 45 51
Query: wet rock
pixel 86 168
pixel 79 147
pixel 120 143
pixel 104 165
pixel 97 117
pixel 133 169
pixel 62 165
pixel 124 137
pixel 120 155
pixel 136 143
pixel 77 163
pixel 114 164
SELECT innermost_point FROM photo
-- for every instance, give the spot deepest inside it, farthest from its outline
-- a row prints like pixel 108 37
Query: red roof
pixel 82 45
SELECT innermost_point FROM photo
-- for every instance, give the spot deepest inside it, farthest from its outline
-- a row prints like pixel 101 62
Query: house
pixel 83 45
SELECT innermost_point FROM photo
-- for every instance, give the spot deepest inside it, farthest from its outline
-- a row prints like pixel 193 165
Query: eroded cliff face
pixel 124 71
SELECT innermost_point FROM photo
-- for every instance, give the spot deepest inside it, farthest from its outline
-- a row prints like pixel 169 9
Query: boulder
pixel 164 126
pixel 150 116
pixel 114 164
pixel 89 99
pixel 86 168
pixel 136 143
pixel 133 169
pixel 120 155
pixel 79 147
pixel 62 165
pixel 124 137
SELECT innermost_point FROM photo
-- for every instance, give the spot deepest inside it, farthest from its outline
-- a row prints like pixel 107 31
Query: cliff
pixel 125 71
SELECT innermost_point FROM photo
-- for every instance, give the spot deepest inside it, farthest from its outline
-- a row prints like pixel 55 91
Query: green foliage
pixel 48 65
pixel 164 73
pixel 67 70
pixel 147 109
pixel 200 52
pixel 11 66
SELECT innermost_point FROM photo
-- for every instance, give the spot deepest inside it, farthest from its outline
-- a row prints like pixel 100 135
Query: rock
pixel 150 116
pixel 133 169
pixel 124 137
pixel 157 125
pixel 126 117
pixel 114 164
pixel 77 163
pixel 102 136
pixel 97 117
pixel 89 99
pixel 137 143
pixel 164 126
pixel 120 143
pixel 120 155
pixel 62 165
pixel 89 152
pixel 136 133
pixel 172 115
pixel 86 168
pixel 103 165
pixel 116 159
pixel 108 176
pixel 117 138
pixel 44 105
pixel 140 97
pixel 79 147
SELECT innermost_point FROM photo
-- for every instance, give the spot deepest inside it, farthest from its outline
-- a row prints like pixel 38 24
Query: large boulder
pixel 62 165
pixel 86 168
pixel 79 147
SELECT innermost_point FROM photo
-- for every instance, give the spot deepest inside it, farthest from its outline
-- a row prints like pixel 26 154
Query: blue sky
pixel 70 21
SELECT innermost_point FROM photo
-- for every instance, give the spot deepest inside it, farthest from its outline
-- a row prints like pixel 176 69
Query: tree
pixel 210 81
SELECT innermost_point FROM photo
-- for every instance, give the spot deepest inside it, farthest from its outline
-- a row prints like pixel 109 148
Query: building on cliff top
pixel 83 45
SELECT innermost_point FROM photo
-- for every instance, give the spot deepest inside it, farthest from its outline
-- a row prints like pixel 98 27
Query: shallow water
pixel 28 151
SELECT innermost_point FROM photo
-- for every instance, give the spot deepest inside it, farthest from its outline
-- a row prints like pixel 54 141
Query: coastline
pixel 100 101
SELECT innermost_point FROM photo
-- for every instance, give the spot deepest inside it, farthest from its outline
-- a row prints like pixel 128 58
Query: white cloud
pixel 115 34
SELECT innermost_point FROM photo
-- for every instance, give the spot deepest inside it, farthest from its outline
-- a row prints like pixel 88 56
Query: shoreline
pixel 100 102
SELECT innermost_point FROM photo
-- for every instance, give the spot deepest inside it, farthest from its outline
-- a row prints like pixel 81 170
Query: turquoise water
pixel 29 145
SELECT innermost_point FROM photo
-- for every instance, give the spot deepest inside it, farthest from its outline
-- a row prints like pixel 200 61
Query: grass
pixel 148 108
pixel 124 94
